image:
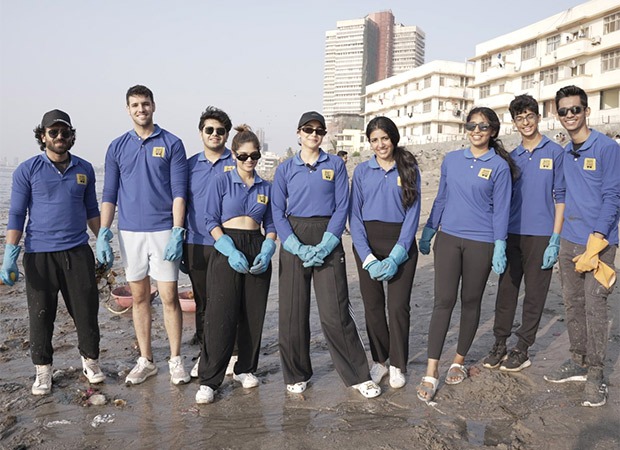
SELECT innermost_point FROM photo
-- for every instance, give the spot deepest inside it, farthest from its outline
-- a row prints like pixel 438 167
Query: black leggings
pixel 468 262
pixel 388 338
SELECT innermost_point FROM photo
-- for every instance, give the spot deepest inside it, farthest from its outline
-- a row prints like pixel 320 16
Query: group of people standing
pixel 213 217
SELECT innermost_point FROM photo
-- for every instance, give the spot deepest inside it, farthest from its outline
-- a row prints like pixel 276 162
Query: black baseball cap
pixel 309 117
pixel 55 116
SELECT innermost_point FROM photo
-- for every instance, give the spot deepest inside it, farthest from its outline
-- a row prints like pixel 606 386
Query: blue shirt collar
pixel 520 149
pixel 47 159
pixel 237 179
pixel 297 158
pixel 225 155
pixel 156 132
pixel 586 145
pixel 373 164
pixel 488 155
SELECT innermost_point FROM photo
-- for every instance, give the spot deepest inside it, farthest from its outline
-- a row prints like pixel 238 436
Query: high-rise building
pixel 362 51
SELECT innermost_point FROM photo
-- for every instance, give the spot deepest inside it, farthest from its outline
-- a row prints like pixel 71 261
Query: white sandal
pixel 297 388
pixel 368 389
pixel 429 391
pixel 458 372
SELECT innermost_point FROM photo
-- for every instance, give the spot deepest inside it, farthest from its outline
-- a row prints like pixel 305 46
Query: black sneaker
pixel 515 361
pixel 495 356
pixel 568 371
pixel 595 393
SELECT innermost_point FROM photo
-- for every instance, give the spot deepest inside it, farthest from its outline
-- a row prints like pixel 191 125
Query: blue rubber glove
pixel 397 256
pixel 323 249
pixel 262 260
pixel 105 255
pixel 9 272
pixel 174 249
pixel 550 257
pixel 425 241
pixel 374 268
pixel 303 252
pixel 236 259
pixel 499 257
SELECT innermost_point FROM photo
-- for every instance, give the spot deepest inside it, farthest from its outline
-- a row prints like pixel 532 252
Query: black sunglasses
pixel 471 126
pixel 318 131
pixel 573 109
pixel 220 131
pixel 64 133
pixel 255 156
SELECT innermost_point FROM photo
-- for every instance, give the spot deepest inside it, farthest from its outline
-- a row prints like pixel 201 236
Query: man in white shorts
pixel 146 176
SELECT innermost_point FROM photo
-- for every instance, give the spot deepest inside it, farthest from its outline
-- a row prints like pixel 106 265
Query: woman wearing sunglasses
pixel 471 210
pixel 385 212
pixel 310 204
pixel 239 271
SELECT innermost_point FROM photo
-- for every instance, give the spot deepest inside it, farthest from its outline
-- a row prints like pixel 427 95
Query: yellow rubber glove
pixel 605 275
pixel 588 260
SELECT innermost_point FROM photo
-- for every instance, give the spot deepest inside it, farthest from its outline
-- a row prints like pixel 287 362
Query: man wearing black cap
pixel 56 192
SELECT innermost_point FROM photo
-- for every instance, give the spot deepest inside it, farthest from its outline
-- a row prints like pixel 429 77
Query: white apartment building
pixel 579 46
pixel 427 103
pixel 350 140
pixel 408 48
pixel 268 162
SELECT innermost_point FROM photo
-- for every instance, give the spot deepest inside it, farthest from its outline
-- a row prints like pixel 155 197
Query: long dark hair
pixel 494 141
pixel 406 163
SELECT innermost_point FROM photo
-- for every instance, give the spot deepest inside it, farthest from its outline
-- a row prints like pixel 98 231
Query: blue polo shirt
pixel 229 197
pixel 321 190
pixel 376 194
pixel 473 201
pixel 144 176
pixel 58 205
pixel 592 189
pixel 201 173
pixel 537 190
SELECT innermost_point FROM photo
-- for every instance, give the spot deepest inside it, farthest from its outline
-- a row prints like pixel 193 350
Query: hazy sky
pixel 261 61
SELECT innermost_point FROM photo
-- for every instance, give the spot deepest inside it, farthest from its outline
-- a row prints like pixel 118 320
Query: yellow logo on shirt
pixel 546 164
pixel 589 164
pixel 262 199
pixel 485 173
pixel 81 178
pixel 328 174
pixel 228 168
pixel 159 152
pixel 398 181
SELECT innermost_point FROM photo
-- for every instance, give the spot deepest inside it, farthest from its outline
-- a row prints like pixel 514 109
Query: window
pixel 610 61
pixel 463 82
pixel 426 106
pixel 528 51
pixel 442 81
pixel 502 87
pixel 527 81
pixel 578 70
pixel 611 23
pixel 552 43
pixel 485 91
pixel 609 98
pixel 549 76
pixel 485 63
pixel 427 82
pixel 442 106
pixel 439 128
pixel 426 128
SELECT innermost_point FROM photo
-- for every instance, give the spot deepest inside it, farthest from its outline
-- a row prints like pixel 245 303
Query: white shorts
pixel 143 254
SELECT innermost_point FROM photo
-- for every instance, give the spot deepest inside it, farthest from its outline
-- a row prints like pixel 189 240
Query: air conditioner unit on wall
pixel 596 40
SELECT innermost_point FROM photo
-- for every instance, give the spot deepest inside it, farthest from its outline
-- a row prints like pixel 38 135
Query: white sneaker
pixel 194 372
pixel 247 380
pixel 142 370
pixel 204 395
pixel 43 382
pixel 178 375
pixel 297 388
pixel 377 372
pixel 397 378
pixel 368 389
pixel 230 369
pixel 92 371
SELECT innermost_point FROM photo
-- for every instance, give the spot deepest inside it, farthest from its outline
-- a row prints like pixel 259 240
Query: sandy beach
pixel 490 409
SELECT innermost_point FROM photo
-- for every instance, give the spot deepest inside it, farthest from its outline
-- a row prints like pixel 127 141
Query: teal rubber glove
pixel 174 249
pixel 303 252
pixel 323 249
pixel 550 257
pixel 105 255
pixel 499 257
pixel 397 256
pixel 262 260
pixel 9 272
pixel 425 241
pixel 236 259
pixel 374 269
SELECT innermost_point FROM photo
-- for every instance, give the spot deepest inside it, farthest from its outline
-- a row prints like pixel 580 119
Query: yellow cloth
pixel 588 261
